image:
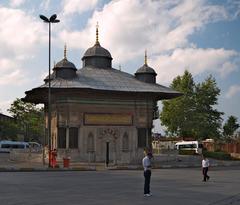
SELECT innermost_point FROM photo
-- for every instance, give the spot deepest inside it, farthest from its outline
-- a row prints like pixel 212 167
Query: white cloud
pixel 45 4
pixel 196 60
pixel 21 36
pixel 6 64
pixel 127 27
pixel 10 73
pixel 5 105
pixel 19 32
pixel 233 90
pixel 16 3
pixel 16 77
pixel 78 6
pixel 227 68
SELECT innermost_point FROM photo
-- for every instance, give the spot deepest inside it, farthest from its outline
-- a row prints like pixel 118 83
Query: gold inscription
pixel 107 119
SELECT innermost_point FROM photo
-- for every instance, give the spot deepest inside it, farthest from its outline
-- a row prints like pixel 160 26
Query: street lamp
pixel 52 19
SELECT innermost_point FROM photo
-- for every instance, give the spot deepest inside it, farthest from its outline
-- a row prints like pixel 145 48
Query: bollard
pixel 66 162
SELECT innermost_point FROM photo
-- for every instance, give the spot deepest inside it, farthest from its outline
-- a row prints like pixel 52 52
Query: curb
pixel 27 169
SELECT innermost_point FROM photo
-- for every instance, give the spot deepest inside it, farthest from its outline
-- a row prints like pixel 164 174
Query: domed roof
pixel 146 69
pixel 97 50
pixel 52 76
pixel 64 63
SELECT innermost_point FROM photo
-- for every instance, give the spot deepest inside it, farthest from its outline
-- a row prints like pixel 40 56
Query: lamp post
pixel 52 19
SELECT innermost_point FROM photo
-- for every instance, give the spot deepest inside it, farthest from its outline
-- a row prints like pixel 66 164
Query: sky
pixel 202 36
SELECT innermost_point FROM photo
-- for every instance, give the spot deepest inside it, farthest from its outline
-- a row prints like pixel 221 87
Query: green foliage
pixel 193 114
pixel 230 127
pixel 177 114
pixel 208 119
pixel 29 118
pixel 218 155
pixel 9 130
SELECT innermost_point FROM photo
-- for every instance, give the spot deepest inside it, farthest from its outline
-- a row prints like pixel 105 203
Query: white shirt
pixel 205 163
pixel 146 163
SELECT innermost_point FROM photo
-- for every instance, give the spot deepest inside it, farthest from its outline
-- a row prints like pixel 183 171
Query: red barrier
pixel 66 162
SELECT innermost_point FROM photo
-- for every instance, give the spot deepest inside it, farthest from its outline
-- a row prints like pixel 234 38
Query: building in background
pixel 9 129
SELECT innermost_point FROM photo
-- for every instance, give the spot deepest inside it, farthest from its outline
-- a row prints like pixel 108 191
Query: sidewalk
pixel 159 162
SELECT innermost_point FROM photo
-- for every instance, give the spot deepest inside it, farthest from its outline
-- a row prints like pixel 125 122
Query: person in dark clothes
pixel 147 173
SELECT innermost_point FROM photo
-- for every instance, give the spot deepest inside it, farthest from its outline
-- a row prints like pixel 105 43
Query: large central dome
pixel 97 50
pixel 97 56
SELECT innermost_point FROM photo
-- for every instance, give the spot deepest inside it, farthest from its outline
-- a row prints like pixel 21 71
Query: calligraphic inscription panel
pixel 107 119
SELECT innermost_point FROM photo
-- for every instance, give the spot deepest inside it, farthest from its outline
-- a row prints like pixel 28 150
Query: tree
pixel 177 114
pixel 230 127
pixel 193 115
pixel 208 118
pixel 9 130
pixel 30 119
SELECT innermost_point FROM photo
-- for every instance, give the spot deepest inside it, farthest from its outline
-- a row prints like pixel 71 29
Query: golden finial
pixel 65 51
pixel 145 59
pixel 97 26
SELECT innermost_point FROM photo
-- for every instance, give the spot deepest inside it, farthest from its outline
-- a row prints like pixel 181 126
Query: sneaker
pixel 208 178
pixel 147 195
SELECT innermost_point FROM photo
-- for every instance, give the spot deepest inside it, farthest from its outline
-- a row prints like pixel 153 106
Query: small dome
pixel 52 76
pixel 64 68
pixel 64 63
pixel 146 69
pixel 146 73
pixel 97 50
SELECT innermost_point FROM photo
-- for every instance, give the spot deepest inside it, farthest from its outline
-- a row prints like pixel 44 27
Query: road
pixel 169 187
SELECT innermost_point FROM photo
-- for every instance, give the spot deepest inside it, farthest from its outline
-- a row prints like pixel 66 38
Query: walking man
pixel 205 165
pixel 147 173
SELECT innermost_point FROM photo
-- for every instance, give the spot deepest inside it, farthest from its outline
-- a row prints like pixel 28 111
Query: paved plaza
pixel 169 187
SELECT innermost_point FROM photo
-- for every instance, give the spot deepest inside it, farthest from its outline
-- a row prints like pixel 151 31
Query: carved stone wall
pixel 132 115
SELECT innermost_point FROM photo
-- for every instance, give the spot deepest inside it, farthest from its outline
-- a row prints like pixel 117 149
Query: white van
pixel 189 145
pixel 6 145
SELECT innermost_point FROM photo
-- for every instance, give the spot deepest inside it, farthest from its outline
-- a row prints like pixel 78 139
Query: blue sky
pixel 202 36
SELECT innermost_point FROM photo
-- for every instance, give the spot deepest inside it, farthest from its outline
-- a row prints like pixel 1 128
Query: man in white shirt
pixel 146 162
pixel 205 165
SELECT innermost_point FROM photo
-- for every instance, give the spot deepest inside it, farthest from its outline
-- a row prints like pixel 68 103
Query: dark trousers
pixel 147 176
pixel 205 171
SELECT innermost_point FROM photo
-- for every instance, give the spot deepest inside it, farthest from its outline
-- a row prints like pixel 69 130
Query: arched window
pixel 90 143
pixel 125 142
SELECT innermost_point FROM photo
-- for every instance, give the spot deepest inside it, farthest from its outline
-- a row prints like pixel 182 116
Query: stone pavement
pixel 121 187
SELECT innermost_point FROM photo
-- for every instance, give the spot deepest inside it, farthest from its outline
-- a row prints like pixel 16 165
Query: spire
pixel 145 58
pixel 97 26
pixel 54 64
pixel 65 51
pixel 120 67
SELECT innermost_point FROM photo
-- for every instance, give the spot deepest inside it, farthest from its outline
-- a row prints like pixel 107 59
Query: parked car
pixel 190 145
pixel 6 145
